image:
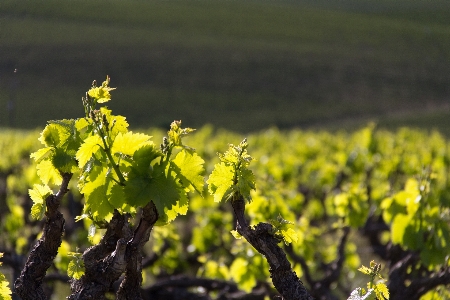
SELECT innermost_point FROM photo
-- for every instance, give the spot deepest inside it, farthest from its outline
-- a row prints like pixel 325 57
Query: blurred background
pixel 239 65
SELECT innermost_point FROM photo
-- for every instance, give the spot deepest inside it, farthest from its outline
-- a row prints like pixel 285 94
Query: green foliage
pixel 39 194
pixel 419 220
pixel 5 291
pixel 319 181
pixel 231 177
pixel 281 230
pixel 380 289
pixel 118 169
pixel 75 268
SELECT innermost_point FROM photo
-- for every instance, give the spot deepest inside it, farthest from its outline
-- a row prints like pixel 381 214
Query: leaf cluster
pixel 380 290
pixel 5 291
pixel 231 178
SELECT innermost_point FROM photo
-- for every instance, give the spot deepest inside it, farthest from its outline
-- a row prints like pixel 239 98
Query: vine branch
pixel 283 277
pixel 29 283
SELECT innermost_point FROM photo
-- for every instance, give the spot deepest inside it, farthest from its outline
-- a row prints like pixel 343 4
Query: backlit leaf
pixel 5 291
pixel 96 201
pixel 246 183
pixel 90 146
pixel 220 182
pixel 190 169
pixel 75 268
pixel 128 143
pixel 41 154
pixel 48 173
pixel 398 228
pixel 382 291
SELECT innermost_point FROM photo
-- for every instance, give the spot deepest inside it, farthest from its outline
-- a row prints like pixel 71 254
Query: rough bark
pixel 283 277
pixel 130 286
pixel 104 263
pixel 118 252
pixel 29 283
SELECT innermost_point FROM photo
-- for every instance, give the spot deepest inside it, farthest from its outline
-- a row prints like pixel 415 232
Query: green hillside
pixel 239 65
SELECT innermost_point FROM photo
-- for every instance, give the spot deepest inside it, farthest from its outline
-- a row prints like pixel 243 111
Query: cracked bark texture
pixel 29 283
pixel 283 277
pixel 118 252
pixel 104 263
pixel 130 287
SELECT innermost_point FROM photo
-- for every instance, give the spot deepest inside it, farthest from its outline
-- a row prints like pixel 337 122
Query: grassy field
pixel 241 65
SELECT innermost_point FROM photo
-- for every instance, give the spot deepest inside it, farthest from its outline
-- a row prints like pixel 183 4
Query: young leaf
pixel 101 94
pixel 289 235
pixel 161 188
pixel 75 268
pixel 117 123
pixel 128 143
pixel 189 168
pixel 41 154
pixel 90 146
pixel 48 173
pixel 382 291
pixel 282 230
pixel 246 183
pixel 5 291
pixel 95 193
pixel 231 175
pixel 116 197
pixel 176 133
pixel 365 270
pixel 38 194
pixel 220 182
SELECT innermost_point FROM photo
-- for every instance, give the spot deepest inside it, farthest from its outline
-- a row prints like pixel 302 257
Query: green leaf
pixel 117 123
pixel 180 208
pixel 220 182
pixel 381 290
pixel 246 183
pixel 231 175
pixel 116 197
pixel 189 168
pixel 75 268
pixel 176 133
pixel 64 161
pixel 282 230
pixel 96 200
pixel 41 154
pixel 101 94
pixel 128 143
pixel 48 173
pixel 237 155
pixel 289 235
pixel 398 228
pixel 5 291
pixel 365 270
pixel 90 146
pixel 142 159
pixel 51 135
pixel 161 188
pixel 39 194
pixel 60 134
